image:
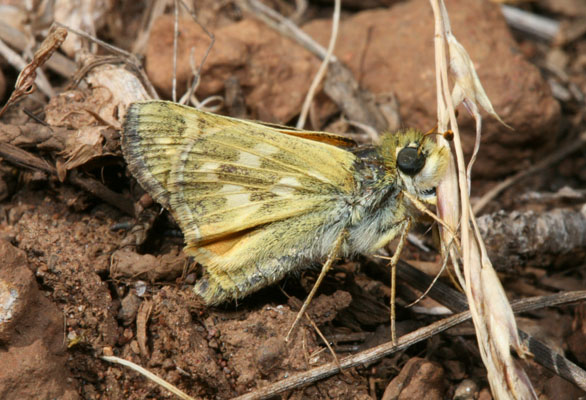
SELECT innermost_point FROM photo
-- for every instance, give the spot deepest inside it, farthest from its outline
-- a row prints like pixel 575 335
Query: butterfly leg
pixel 326 267
pixel 405 226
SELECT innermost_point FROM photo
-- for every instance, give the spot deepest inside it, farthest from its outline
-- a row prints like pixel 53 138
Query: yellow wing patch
pixel 219 175
pixel 241 263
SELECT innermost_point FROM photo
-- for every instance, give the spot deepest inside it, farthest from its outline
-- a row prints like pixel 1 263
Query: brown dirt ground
pixel 137 302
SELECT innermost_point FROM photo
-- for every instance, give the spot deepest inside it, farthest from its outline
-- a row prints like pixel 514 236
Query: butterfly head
pixel 418 161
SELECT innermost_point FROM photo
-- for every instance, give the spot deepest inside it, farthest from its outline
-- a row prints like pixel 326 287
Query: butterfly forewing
pixel 219 176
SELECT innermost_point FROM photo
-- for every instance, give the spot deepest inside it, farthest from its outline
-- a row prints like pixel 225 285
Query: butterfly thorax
pixel 376 206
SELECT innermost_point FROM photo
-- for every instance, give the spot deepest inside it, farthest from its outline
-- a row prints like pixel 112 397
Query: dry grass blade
pixel 190 94
pixel 493 318
pixel 25 83
pixel 149 375
pixel 340 84
pixel 322 68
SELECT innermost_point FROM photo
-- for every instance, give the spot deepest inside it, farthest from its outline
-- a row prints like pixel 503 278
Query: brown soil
pixel 81 278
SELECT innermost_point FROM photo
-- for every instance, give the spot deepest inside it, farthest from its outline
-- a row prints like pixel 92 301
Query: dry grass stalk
pixel 322 68
pixel 25 84
pixel 149 375
pixel 492 315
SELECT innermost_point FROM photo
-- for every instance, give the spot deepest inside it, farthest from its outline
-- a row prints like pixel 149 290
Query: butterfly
pixel 258 201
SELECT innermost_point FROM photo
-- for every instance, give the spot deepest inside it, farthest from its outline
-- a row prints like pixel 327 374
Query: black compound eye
pixel 410 161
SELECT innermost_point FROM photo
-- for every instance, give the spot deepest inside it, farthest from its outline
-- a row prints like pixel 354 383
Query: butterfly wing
pixel 227 181
pixel 323 137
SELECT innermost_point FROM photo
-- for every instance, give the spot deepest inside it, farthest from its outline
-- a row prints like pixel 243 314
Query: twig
pixel 365 357
pixel 153 10
pixel 94 63
pixel 323 338
pixel 534 238
pixel 101 191
pixel 25 159
pixel 300 8
pixel 17 40
pixel 356 103
pixel 369 130
pixel 376 353
pixel 149 375
pixel 175 43
pixel 553 158
pixel 196 72
pixel 456 301
pixel 25 84
pixel 129 58
pixel 322 68
pixel 106 45
pixel 286 27
pixel 340 84
pixel 536 25
pixel 433 282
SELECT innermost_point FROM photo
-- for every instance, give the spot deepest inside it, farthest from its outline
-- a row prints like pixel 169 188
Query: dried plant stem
pixel 553 158
pixel 376 353
pixel 456 302
pixel 149 375
pixel 325 340
pixel 19 63
pixel 495 326
pixel 533 24
pixel 365 357
pixel 322 68
pixel 129 58
pixel 286 27
pixel 189 95
pixel 19 41
pixel 23 158
pixel 175 40
pixel 340 84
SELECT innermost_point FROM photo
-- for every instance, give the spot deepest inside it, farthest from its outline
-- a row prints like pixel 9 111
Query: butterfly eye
pixel 410 161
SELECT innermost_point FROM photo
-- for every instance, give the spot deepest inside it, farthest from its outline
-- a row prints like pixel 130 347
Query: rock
pixel 129 308
pixel 32 361
pixel 129 264
pixel 558 388
pixel 419 379
pixel 274 72
pixel 391 50
pixel 576 342
pixel 466 390
pixel 270 354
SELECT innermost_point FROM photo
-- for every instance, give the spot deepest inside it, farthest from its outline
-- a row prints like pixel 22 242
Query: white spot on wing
pixel 210 166
pixel 235 195
pixel 320 176
pixel 286 186
pixel 266 149
pixel 248 159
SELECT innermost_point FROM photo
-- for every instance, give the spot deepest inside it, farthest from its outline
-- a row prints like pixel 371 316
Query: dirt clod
pixel 31 335
pixel 419 379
